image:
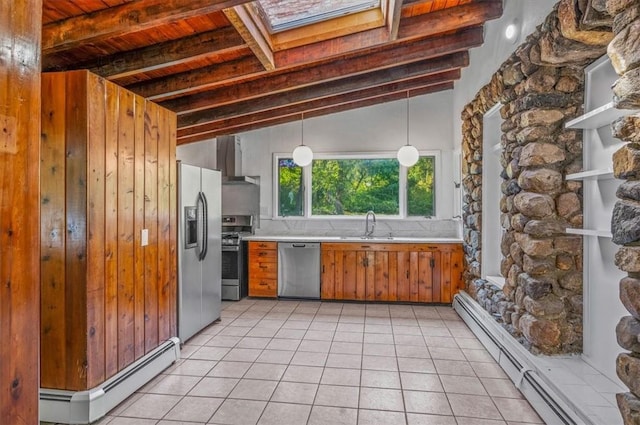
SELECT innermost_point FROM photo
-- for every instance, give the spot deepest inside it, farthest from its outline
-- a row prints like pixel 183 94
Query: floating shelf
pixel 590 232
pixel 599 117
pixel 496 281
pixel 603 174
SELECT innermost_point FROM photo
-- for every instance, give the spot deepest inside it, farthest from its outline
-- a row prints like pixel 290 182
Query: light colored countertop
pixel 375 239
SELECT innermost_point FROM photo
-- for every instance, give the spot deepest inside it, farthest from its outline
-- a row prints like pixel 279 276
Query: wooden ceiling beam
pixel 298 77
pixel 164 55
pixel 330 101
pixel 198 79
pixel 133 16
pixel 254 125
pixel 444 20
pixel 244 24
pixel 328 88
pixel 421 26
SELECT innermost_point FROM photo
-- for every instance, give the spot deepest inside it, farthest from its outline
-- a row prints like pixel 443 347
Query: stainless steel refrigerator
pixel 200 250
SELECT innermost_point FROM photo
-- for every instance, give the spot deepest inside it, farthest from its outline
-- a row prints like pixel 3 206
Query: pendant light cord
pixel 407 117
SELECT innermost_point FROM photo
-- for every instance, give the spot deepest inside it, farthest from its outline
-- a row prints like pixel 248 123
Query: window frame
pixel 307 185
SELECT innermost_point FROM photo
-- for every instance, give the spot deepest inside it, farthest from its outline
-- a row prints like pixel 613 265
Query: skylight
pixel 282 15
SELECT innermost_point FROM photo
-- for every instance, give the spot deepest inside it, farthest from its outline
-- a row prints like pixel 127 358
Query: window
pixel 351 185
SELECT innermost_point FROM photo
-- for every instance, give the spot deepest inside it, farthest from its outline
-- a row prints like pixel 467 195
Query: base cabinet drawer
pixel 263 288
pixel 263 269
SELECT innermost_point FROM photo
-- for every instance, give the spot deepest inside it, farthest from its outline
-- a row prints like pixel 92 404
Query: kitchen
pixel 387 126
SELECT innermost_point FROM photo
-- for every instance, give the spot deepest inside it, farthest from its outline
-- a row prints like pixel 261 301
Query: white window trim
pixel 306 172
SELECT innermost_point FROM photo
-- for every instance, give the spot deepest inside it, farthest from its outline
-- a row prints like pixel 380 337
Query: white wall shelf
pixel 599 117
pixel 590 232
pixel 601 174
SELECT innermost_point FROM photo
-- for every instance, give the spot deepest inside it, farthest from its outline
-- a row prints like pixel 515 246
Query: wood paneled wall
pixel 19 209
pixel 108 172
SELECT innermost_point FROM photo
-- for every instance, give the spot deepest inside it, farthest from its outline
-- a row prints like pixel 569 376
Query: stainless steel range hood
pixel 240 194
pixel 240 180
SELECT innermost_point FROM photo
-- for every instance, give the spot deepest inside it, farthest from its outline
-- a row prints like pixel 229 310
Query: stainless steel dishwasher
pixel 299 269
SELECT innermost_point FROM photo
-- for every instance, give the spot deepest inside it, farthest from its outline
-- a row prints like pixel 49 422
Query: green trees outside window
pixel 353 186
pixel 421 194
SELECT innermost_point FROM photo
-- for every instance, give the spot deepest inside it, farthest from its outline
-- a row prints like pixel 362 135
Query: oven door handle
pixel 234 248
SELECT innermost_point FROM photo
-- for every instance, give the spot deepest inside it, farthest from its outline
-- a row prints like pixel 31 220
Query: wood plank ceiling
pixel 216 65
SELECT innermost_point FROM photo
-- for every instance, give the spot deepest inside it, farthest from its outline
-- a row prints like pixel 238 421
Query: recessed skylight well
pixel 281 15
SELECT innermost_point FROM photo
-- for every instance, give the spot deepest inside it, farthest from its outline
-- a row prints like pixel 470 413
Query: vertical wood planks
pixel 138 223
pixel 76 229
pixel 414 276
pixel 350 264
pixel 381 276
pixel 425 289
pixel 151 223
pixel 112 112
pixel 125 229
pixel 95 230
pixel 100 188
pixel 404 271
pixel 340 292
pixel 52 236
pixel 164 227
pixel 327 289
pixel 20 95
pixel 173 222
pixel 370 276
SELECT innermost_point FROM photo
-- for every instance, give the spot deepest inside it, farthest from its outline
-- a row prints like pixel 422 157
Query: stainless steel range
pixel 234 255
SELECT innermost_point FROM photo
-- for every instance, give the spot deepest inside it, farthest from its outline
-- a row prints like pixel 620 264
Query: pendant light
pixel 302 155
pixel 408 155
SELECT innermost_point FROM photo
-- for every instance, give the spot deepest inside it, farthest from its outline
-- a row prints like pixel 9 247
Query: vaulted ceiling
pixel 227 66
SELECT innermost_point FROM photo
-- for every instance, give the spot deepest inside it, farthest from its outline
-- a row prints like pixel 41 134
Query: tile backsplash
pixel 355 227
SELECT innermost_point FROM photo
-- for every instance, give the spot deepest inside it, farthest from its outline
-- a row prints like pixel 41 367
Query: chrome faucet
pixel 369 233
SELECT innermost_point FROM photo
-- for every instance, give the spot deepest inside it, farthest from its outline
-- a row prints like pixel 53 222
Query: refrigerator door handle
pixel 205 231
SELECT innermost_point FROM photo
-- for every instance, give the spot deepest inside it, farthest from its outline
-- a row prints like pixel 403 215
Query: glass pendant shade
pixel 302 155
pixel 408 155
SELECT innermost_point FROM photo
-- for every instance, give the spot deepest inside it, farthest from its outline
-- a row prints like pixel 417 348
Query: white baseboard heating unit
pixel 84 407
pixel 519 364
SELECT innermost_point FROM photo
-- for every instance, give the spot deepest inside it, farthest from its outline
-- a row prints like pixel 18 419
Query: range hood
pixel 229 161
pixel 240 194
pixel 239 180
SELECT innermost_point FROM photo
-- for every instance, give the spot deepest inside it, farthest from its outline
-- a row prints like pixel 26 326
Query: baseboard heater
pixel 84 407
pixel 550 404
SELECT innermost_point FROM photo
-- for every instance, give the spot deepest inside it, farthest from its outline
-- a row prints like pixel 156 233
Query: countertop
pixel 374 239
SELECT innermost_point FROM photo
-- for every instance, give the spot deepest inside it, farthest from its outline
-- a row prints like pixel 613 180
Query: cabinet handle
pixel 263 284
pixel 432 247
pixel 365 246
pixel 264 267
pixel 407 274
pixel 433 263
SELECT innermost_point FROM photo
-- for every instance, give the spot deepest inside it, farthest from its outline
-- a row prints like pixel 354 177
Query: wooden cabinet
pixel 263 269
pixel 391 272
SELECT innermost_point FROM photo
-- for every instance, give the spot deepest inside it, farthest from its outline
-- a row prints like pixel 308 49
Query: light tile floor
pixel 317 363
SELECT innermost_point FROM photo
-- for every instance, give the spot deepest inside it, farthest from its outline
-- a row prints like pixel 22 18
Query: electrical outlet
pixel 144 239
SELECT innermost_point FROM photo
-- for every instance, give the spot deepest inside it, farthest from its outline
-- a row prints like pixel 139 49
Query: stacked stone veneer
pixel 624 51
pixel 540 87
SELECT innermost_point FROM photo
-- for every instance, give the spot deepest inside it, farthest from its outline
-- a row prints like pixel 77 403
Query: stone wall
pixel 540 87
pixel 624 51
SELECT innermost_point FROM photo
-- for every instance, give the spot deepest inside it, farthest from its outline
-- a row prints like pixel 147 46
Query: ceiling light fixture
pixel 408 155
pixel 302 155
pixel 511 31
